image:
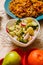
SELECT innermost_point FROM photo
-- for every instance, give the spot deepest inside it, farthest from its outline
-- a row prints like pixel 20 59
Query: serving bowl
pixel 16 42
pixel 6 6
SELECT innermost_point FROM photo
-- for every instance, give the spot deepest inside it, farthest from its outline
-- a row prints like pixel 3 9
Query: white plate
pixel 16 42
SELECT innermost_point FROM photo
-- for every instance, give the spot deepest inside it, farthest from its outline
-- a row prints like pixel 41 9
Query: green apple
pixel 12 58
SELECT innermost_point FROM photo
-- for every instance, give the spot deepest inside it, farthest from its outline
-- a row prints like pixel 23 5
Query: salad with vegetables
pixel 23 30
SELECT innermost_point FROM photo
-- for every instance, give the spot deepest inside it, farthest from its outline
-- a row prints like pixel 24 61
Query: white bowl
pixel 16 42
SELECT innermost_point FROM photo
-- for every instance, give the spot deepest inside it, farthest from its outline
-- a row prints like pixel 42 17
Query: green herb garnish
pixel 18 21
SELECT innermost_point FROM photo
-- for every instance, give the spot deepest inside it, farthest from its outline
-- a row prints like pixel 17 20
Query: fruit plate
pixel 23 53
pixel 6 5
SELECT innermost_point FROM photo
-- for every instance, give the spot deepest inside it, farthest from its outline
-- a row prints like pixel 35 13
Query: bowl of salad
pixel 23 31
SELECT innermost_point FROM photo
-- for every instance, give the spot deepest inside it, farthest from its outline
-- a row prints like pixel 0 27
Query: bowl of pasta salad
pixel 23 31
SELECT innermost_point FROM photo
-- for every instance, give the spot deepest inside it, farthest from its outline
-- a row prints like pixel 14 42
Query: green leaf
pixel 18 21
